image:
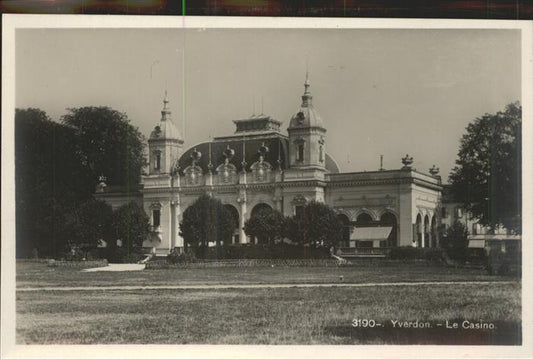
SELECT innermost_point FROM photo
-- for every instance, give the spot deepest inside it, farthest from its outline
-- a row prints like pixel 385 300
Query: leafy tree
pixel 317 224
pixel 50 182
pixel 206 220
pixel 488 171
pixel 266 225
pixel 107 144
pixel 455 241
pixel 91 222
pixel 131 225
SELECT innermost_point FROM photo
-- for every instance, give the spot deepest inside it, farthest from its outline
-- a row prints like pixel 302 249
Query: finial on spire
pixel 165 100
pixel 307 97
pixel 306 84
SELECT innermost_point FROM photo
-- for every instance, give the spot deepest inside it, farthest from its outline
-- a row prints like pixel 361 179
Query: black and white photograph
pixel 255 183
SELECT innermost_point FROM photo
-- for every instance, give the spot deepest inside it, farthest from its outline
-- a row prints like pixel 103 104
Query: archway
pixel 427 235
pixel 235 216
pixel 434 237
pixel 418 228
pixel 260 207
pixel 363 220
pixel 346 229
pixel 389 220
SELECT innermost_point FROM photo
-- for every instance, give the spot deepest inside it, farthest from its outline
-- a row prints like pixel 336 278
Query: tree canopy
pixel 50 182
pixel 91 222
pixel 267 225
pixel 488 171
pixel 316 224
pixel 107 144
pixel 206 220
pixel 455 241
pixel 57 166
pixel 131 225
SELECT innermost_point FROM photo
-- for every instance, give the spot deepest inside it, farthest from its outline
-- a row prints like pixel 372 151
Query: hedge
pixel 161 264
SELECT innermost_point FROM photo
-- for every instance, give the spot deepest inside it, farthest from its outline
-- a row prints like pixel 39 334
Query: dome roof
pixel 307 116
pixel 165 129
pixel 278 148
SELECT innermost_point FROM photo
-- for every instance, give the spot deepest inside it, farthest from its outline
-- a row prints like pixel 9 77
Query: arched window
pixel 363 220
pixel 157 163
pixel 321 150
pixel 299 149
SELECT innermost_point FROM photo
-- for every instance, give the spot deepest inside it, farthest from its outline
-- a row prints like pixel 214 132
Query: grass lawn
pixel 265 316
pixel 270 316
pixel 40 275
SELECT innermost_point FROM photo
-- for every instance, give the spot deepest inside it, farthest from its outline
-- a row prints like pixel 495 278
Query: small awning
pixel 370 233
pixel 476 243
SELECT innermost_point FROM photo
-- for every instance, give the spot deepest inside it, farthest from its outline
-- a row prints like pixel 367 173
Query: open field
pixel 269 316
pixel 39 275
pixel 266 316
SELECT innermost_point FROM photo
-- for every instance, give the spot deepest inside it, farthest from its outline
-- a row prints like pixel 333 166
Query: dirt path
pixel 256 286
pixel 117 268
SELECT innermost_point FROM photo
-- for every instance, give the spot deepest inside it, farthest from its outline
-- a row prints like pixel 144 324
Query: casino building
pixel 261 166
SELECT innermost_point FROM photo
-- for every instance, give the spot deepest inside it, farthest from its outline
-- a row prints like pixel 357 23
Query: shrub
pixel 176 257
pixel 406 252
pixel 121 255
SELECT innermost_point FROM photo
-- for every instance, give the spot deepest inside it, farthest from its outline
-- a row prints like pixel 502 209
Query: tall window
pixel 156 217
pixel 157 164
pixel 299 151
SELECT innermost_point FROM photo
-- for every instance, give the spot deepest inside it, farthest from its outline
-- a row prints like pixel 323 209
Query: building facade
pixel 260 166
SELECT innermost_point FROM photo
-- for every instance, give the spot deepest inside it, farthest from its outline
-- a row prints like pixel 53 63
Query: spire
pixel 165 101
pixel 307 97
pixel 165 112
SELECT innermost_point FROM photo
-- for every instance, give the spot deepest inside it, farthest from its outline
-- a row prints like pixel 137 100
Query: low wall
pixel 363 262
pixel 157 264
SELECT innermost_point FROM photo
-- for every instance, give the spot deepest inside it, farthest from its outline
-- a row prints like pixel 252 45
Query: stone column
pixel 177 212
pixel 242 218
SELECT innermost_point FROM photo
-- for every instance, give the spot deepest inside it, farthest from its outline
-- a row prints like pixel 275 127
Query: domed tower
pixel 307 135
pixel 165 143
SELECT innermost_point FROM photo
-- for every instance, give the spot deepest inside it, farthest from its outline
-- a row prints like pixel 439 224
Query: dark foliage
pixel 91 222
pixel 267 225
pixel 130 225
pixel 57 166
pixel 413 253
pixel 455 242
pixel 488 171
pixel 267 251
pixel 107 144
pixel 50 182
pixel 206 220
pixel 316 225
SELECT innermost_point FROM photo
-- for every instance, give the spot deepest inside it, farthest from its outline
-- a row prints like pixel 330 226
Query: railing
pixel 352 251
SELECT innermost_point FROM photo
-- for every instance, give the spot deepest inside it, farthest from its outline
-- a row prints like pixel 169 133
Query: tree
pixel 50 182
pixel 91 222
pixel 488 171
pixel 316 224
pixel 266 225
pixel 455 241
pixel 107 144
pixel 131 225
pixel 206 220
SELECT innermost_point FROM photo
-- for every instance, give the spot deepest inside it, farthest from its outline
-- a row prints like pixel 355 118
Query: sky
pixel 387 92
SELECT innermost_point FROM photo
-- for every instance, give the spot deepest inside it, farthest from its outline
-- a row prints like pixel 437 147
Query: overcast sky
pixel 387 92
